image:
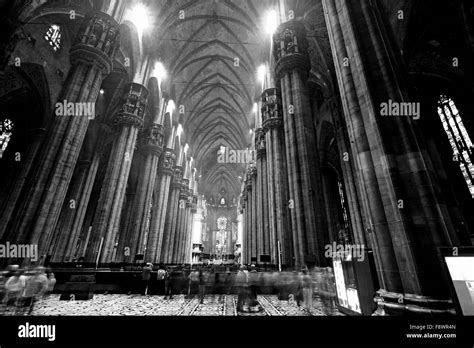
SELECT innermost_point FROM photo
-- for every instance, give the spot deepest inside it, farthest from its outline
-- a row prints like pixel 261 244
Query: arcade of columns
pixel 155 220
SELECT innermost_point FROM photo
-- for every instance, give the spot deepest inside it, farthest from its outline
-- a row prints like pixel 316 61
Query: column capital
pixel 152 141
pixel 97 41
pixel 168 161
pixel 290 48
pixel 132 111
pixel 177 177
pixel 271 109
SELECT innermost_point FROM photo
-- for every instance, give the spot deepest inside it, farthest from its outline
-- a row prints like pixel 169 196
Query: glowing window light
pixel 461 144
pixel 261 72
pixel 159 71
pixel 271 22
pixel 138 15
pixel 6 128
pixel 53 37
pixel 179 131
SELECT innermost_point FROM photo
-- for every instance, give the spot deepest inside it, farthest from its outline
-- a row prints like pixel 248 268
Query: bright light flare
pixel 138 15
pixel 159 71
pixel 262 72
pixel 271 22
pixel 179 131
pixel 170 107
pixel 255 108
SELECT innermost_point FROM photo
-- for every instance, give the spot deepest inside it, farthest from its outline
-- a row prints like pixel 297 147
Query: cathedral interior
pixel 282 133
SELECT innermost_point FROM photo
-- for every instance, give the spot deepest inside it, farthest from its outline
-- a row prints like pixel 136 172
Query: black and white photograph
pixel 246 160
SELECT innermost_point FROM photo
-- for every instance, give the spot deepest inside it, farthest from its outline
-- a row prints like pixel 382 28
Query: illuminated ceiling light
pixel 271 22
pixel 138 15
pixel 170 107
pixel 250 131
pixel 102 91
pixel 159 71
pixel 179 131
pixel 255 108
pixel 261 72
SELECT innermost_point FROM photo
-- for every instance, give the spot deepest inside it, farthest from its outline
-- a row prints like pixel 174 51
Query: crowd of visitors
pixel 20 288
pixel 248 282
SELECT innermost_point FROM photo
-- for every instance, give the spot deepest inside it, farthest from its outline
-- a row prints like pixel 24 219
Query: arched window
pixel 461 144
pixel 6 128
pixel 222 201
pixel 345 233
pixel 53 36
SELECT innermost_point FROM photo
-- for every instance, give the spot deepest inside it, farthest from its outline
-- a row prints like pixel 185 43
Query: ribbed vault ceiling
pixel 199 48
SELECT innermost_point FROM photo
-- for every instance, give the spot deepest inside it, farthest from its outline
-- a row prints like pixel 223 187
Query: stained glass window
pixel 53 36
pixel 344 236
pixel 461 144
pixel 6 128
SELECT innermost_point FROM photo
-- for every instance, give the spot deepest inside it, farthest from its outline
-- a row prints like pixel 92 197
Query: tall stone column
pixel 406 215
pixel 75 205
pixel 181 222
pixel 128 121
pixel 152 146
pixel 91 59
pixel 36 138
pixel 246 232
pixel 171 215
pixel 255 217
pixel 184 250
pixel 291 56
pixel 262 194
pixel 280 232
pixel 190 224
pixel 160 206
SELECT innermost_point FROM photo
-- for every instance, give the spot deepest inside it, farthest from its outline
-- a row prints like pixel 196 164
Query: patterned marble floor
pixel 180 305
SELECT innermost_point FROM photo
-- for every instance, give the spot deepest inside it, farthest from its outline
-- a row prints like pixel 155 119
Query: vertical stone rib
pixel 160 206
pixel 171 218
pixel 82 209
pixel 152 146
pixel 255 217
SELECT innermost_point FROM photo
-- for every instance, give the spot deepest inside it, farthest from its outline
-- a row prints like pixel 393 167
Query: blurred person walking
pixel 241 281
pixel 146 276
pixel 306 287
pixel 254 284
pixel 51 284
pixel 193 287
pixel 35 288
pixel 203 276
pixel 14 288
pixel 161 277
